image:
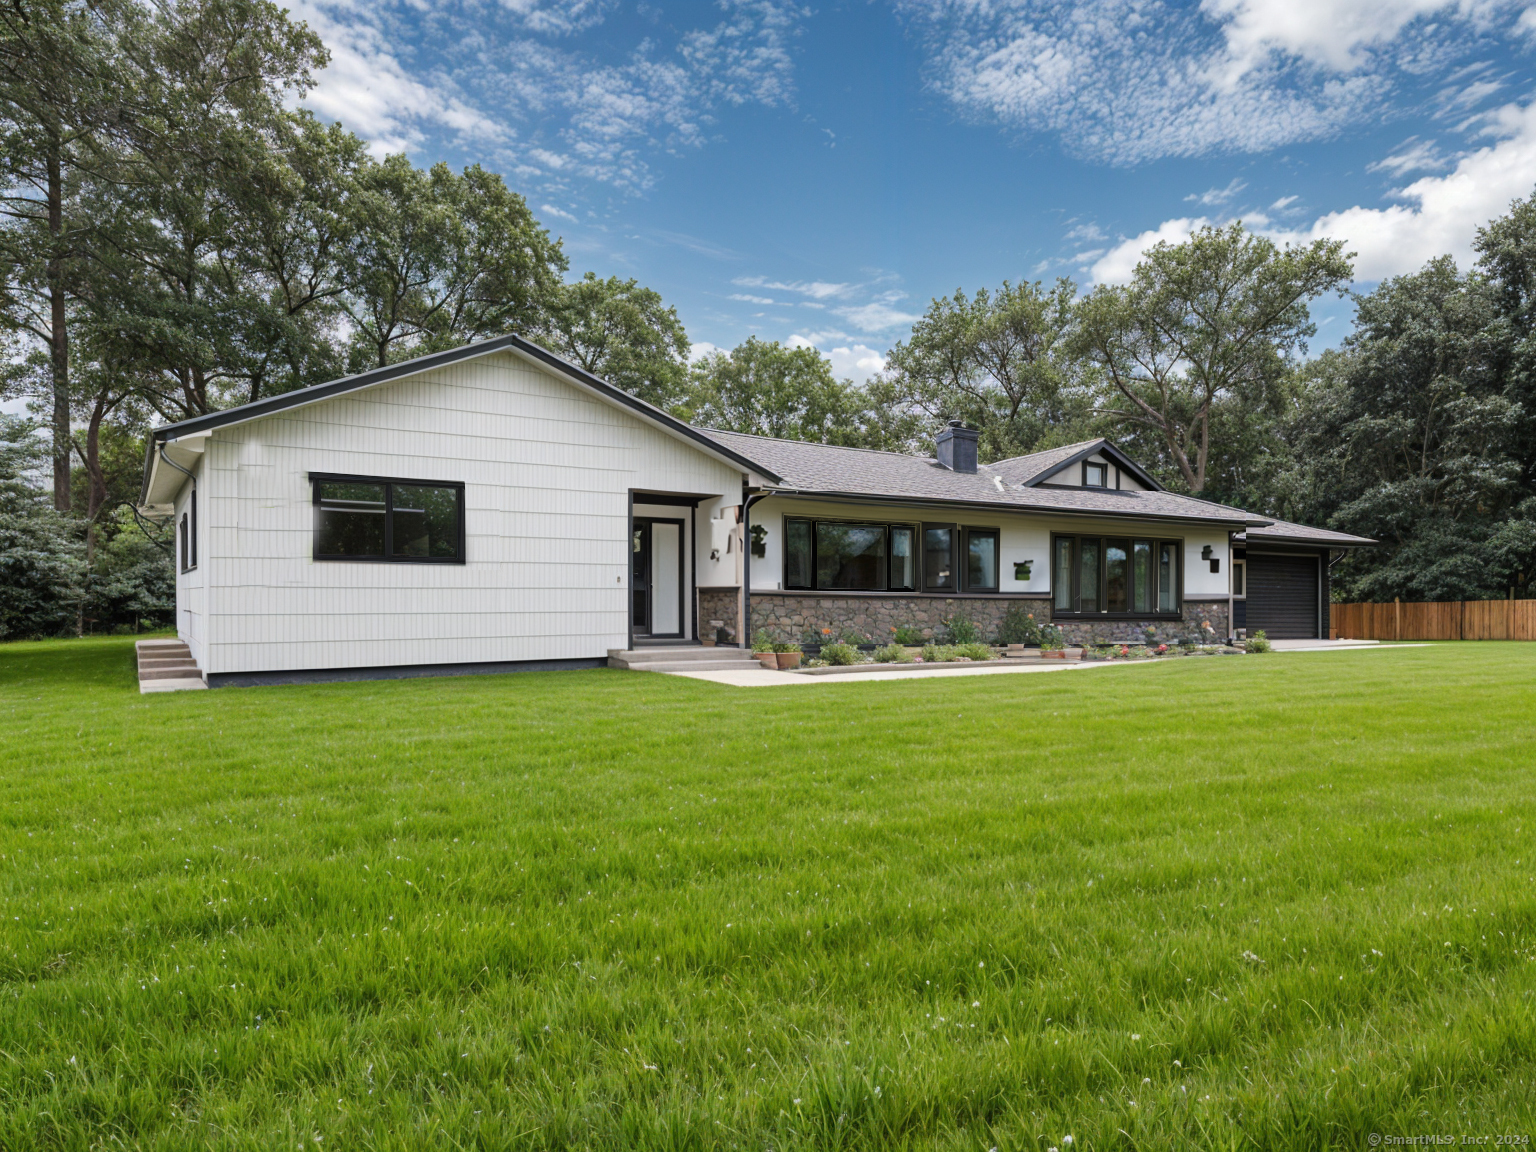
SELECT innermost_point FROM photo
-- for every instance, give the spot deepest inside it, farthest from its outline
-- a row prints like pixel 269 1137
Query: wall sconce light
pixel 1205 553
pixel 759 541
pixel 1021 569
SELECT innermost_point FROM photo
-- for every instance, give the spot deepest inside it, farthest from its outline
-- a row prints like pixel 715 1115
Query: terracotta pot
pixel 1053 653
pixel 768 660
pixel 789 659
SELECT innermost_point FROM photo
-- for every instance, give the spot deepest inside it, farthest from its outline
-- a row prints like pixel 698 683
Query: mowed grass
pixel 1274 902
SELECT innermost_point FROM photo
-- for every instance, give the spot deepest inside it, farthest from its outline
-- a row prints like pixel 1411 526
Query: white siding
pixel 547 470
pixel 1072 475
pixel 192 587
pixel 1021 537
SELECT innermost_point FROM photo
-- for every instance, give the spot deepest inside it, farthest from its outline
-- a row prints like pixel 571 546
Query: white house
pixel 495 508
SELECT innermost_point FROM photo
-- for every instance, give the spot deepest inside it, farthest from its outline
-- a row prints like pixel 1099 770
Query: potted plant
pixel 787 655
pixel 1053 642
pixel 762 648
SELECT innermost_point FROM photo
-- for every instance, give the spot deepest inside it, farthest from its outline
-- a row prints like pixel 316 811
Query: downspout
pixel 748 499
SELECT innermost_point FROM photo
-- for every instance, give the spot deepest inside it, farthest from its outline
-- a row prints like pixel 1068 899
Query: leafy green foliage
pixel 891 654
pixel 974 651
pixel 42 557
pixel 1019 626
pixel 840 654
pixel 625 334
pixel 908 634
pixel 962 629
pixel 1258 642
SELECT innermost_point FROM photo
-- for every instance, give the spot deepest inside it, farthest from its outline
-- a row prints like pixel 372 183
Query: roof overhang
pixel 994 506
pixel 186 432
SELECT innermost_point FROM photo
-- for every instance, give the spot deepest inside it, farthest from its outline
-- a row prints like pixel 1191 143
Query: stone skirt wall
pixel 804 617
pixel 719 604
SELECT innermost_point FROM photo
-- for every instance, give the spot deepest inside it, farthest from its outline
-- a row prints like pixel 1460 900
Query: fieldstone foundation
pixel 812 620
pixel 719 604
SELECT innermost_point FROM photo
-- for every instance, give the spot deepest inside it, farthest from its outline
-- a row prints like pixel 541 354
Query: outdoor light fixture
pixel 1205 553
pixel 1021 569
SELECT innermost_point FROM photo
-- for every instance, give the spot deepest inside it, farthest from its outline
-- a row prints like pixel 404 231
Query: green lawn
pixel 1272 902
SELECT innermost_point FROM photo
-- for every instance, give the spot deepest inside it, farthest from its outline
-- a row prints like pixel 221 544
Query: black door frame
pixel 646 522
pixel 1298 554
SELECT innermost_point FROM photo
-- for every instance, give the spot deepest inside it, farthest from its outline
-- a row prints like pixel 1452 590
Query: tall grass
pixel 1276 903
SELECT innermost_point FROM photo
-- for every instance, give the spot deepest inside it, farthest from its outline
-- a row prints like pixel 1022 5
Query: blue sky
pixel 816 173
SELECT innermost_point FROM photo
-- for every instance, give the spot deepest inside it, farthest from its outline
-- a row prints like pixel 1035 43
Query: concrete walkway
pixel 762 678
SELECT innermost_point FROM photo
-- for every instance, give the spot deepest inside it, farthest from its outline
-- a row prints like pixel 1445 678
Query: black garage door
pixel 1282 596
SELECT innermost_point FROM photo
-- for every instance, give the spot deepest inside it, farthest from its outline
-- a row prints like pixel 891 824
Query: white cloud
pixel 875 317
pixel 703 349
pixel 558 213
pixel 856 362
pixel 1116 265
pixel 815 289
pixel 1132 80
pixel 1413 155
pixel 744 298
pixel 535 107
pixel 1215 196
pixel 1283 203
pixel 1435 215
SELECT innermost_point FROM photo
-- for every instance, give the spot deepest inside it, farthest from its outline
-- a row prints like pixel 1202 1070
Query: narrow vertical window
pixel 185 554
pixel 1116 575
pixel 1142 576
pixel 192 529
pixel 903 560
pixel 938 558
pixel 1088 576
pixel 797 553
pixel 1166 576
pixel 1062 576
pixel 980 560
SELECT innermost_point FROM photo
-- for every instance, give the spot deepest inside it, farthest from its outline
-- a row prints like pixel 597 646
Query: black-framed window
pixel 981 545
pixel 1095 474
pixel 391 521
pixel 1240 579
pixel 188 532
pixel 1115 576
pixel 867 556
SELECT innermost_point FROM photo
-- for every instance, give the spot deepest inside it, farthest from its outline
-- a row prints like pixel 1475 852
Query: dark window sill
pixel 925 595
pixel 386 560
pixel 1056 615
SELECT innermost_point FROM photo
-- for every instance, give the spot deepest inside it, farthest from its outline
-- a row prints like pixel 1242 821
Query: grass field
pixel 1271 902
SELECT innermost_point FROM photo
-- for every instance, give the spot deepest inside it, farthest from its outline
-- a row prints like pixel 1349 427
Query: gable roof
pixel 1039 467
pixel 860 473
pixel 508 343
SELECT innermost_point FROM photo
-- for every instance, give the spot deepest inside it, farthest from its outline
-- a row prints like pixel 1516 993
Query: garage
pixel 1283 595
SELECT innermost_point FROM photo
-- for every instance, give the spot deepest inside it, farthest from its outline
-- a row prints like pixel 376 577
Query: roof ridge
pixel 1058 448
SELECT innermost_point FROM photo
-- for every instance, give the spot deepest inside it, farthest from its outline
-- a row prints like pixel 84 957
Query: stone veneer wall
pixel 719 604
pixel 874 619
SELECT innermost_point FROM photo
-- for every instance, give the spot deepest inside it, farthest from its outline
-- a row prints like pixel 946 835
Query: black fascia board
pixel 345 384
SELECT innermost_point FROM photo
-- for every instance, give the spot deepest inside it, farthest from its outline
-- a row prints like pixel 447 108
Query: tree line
pixel 177 236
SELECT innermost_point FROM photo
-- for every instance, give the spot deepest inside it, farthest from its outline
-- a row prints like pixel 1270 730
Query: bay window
pixel 1114 576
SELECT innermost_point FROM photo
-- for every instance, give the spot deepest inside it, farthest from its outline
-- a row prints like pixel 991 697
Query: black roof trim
pixel 1106 446
pixel 510 341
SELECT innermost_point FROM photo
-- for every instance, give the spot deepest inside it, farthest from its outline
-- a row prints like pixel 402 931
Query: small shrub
pixel 974 651
pixel 937 653
pixel 1052 638
pixel 840 654
pixel 892 654
pixel 787 646
pixel 1019 627
pixel 1258 642
pixel 962 629
pixel 909 634
pixel 761 643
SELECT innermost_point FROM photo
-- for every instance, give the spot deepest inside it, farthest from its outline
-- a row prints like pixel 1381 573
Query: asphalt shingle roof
pixel 1302 534
pixel 822 468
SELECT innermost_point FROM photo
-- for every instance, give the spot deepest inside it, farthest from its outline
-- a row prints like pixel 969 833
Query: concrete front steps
pixel 681 659
pixel 167 666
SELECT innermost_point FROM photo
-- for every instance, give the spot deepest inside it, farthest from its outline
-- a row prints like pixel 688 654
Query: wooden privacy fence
pixel 1441 620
